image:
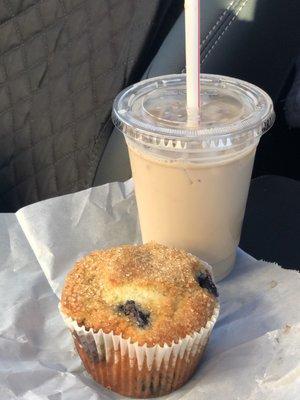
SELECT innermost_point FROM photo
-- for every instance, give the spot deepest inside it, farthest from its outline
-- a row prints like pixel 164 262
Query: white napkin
pixel 254 352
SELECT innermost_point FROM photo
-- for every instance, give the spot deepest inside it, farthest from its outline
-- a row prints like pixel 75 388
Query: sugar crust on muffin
pixel 149 293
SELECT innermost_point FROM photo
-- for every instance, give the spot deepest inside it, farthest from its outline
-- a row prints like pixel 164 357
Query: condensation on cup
pixel 192 175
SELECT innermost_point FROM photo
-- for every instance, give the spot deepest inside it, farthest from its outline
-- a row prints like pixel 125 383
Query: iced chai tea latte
pixel 192 176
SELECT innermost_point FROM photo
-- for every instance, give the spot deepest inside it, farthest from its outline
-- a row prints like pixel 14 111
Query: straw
pixel 192 39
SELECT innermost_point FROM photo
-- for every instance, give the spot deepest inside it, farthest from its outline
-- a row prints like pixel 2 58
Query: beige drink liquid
pixel 199 207
pixel 192 173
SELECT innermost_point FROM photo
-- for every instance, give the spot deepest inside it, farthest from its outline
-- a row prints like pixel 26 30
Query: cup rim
pixel 163 136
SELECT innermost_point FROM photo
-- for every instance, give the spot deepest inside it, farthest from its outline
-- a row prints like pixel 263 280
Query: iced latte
pixel 192 175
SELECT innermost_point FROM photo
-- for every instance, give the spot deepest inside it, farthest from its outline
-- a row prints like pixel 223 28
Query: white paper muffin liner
pixel 113 349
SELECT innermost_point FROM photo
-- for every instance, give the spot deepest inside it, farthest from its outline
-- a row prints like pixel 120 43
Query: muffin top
pixel 149 293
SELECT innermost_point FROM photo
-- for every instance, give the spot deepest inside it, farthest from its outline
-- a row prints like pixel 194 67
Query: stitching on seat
pixel 237 11
pixel 70 154
pixel 46 47
pixel 16 25
pixel 219 20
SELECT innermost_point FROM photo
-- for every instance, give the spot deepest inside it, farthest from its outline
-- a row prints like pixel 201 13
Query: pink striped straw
pixel 192 40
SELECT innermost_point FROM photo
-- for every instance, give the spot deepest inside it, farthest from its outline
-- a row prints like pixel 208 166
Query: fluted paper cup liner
pixel 139 371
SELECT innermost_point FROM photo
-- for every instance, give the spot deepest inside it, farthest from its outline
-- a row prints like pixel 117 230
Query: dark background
pixel 279 150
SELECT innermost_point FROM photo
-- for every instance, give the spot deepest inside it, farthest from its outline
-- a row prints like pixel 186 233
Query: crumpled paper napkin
pixel 254 352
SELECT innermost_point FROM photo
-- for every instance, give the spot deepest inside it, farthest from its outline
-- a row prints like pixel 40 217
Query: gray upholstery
pixel 62 62
pixel 253 40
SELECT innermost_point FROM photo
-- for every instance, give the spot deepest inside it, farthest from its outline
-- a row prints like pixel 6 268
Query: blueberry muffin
pixel 140 316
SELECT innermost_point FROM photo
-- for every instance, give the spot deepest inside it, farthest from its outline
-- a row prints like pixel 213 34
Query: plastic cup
pixel 192 174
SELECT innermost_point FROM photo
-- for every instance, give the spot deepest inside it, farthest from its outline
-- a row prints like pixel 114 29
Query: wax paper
pixel 254 352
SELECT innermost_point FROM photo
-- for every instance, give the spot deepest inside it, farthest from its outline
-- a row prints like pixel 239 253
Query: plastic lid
pixel 154 112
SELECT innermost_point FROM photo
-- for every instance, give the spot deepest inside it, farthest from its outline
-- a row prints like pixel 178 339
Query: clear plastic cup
pixel 192 173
